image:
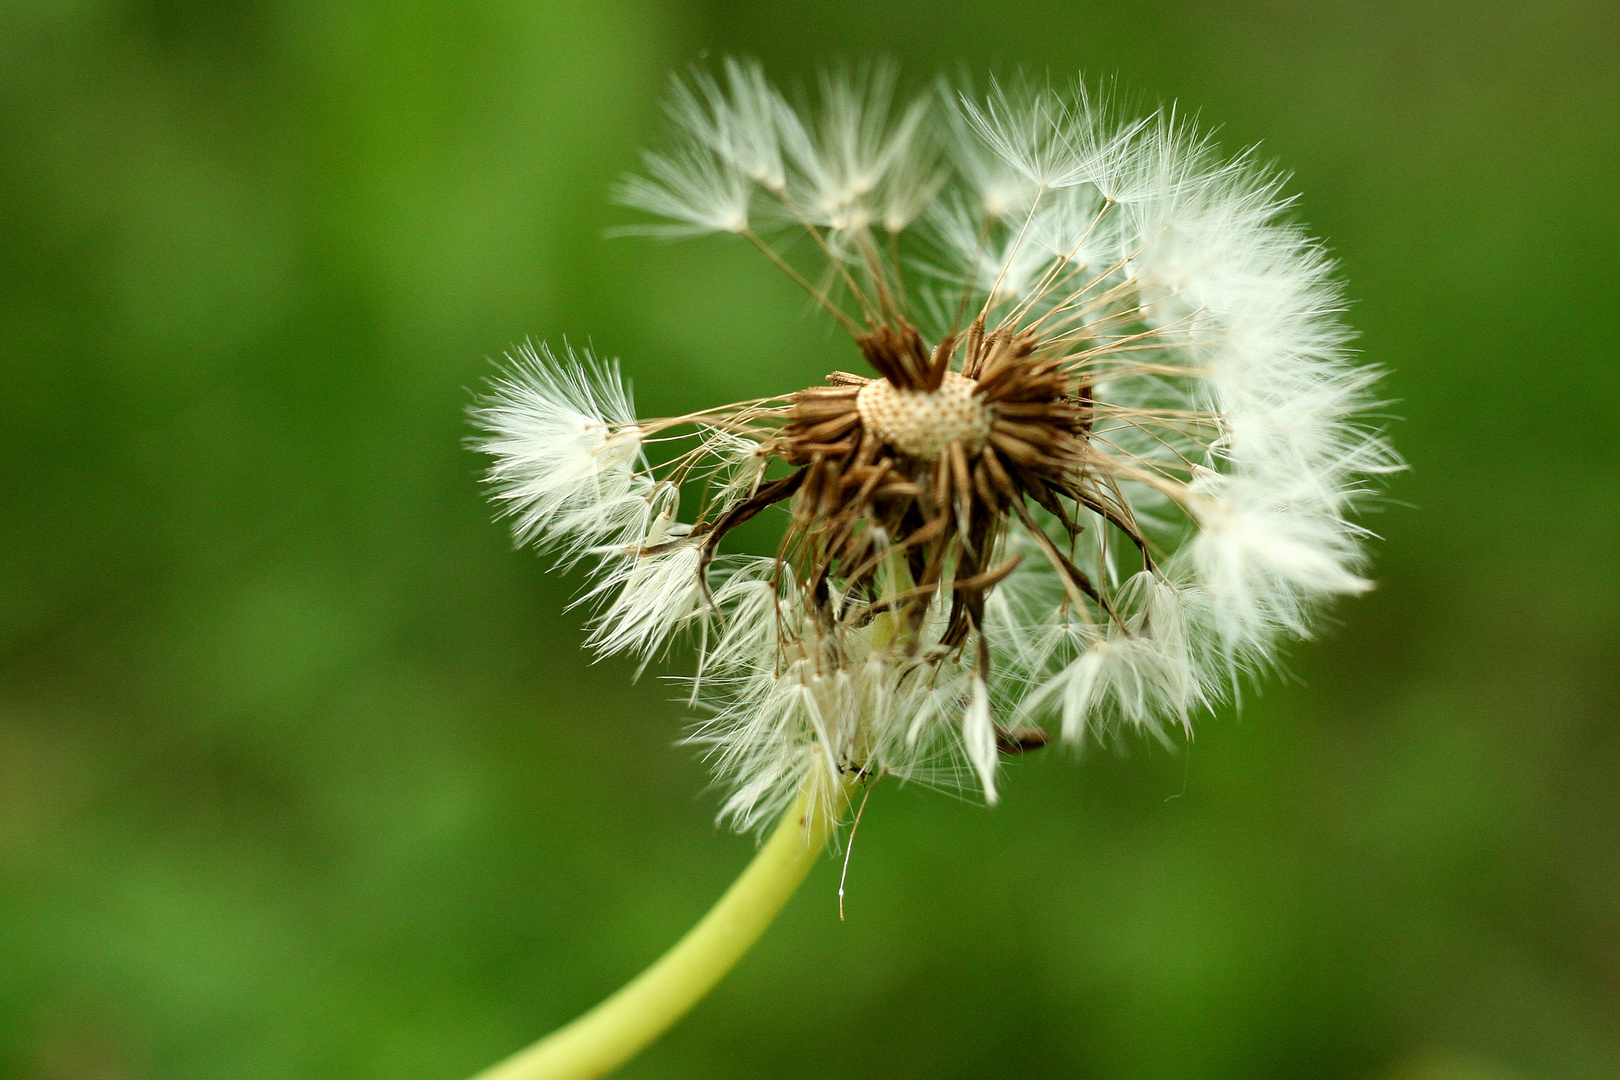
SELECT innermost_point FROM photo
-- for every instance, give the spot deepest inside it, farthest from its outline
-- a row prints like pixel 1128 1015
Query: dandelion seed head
pixel 1100 463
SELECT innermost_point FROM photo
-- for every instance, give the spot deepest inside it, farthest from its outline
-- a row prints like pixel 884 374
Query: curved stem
pixel 623 1025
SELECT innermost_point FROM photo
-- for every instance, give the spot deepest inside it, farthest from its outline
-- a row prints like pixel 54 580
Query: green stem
pixel 626 1023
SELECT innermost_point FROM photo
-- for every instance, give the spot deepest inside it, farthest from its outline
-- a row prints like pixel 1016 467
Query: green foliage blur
pixel 303 772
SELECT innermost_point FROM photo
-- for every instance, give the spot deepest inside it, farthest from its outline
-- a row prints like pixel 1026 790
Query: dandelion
pixel 1099 462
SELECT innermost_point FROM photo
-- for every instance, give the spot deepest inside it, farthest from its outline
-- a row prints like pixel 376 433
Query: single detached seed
pixel 922 423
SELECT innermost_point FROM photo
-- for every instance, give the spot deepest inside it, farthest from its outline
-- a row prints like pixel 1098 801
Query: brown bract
pixel 925 480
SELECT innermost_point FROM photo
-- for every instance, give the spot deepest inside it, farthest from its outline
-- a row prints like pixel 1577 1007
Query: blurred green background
pixel 302 771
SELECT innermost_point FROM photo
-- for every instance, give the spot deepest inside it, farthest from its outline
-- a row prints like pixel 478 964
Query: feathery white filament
pixel 566 448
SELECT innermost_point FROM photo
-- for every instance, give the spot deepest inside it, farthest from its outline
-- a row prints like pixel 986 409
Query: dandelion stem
pixel 642 1010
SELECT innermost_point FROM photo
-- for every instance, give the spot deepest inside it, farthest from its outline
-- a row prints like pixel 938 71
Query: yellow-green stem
pixel 626 1023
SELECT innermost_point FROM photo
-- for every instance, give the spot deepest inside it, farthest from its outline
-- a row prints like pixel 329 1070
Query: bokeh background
pixel 302 771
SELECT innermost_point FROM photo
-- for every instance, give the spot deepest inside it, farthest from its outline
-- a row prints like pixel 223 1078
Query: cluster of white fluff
pixel 568 460
pixel 856 162
pixel 1237 443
